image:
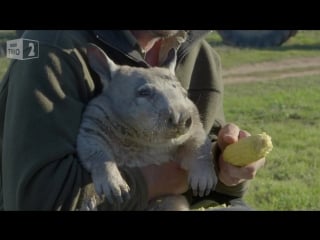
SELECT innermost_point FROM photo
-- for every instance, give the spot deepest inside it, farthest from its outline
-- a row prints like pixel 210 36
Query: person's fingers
pixel 229 180
pixel 232 175
pixel 249 171
pixel 227 135
pixel 243 134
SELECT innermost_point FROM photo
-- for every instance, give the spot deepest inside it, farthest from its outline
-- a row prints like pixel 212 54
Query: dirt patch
pixel 273 70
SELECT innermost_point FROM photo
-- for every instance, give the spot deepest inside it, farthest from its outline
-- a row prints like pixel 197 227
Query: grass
pixel 6 35
pixel 288 110
pixel 4 62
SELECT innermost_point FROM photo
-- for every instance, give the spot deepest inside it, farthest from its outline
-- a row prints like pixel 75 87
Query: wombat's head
pixel 149 102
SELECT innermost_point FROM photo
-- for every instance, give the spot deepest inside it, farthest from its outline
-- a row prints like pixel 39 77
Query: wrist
pixel 216 152
pixel 237 190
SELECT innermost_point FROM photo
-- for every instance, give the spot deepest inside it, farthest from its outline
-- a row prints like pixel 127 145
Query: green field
pixel 288 110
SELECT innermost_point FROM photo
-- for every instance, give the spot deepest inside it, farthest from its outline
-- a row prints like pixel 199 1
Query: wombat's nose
pixel 181 122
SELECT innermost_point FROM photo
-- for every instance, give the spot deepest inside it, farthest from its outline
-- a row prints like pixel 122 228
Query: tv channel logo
pixel 22 49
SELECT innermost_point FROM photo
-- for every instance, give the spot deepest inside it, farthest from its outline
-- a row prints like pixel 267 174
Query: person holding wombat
pixel 41 106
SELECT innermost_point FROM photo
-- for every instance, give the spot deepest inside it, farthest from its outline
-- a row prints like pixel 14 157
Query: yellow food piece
pixel 248 150
pixel 211 208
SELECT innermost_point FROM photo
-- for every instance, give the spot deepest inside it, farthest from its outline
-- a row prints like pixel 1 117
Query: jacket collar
pixel 124 42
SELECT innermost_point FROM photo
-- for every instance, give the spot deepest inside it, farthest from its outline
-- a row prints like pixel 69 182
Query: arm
pixel 201 72
pixel 40 169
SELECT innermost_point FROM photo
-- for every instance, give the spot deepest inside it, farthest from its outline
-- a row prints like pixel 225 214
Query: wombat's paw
pixel 116 190
pixel 202 178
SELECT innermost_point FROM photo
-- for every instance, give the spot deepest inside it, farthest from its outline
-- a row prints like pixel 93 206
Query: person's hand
pixel 165 179
pixel 229 174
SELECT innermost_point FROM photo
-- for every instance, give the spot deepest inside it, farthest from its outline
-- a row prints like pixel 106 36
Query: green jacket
pixel 41 102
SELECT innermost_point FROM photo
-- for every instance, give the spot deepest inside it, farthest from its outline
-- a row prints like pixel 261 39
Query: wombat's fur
pixel 142 117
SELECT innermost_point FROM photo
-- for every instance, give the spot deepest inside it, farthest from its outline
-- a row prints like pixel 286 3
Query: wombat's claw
pixel 208 191
pixel 197 190
pixel 117 194
pixel 114 192
pixel 201 192
pixel 122 194
pixel 202 186
pixel 125 196
pixel 194 183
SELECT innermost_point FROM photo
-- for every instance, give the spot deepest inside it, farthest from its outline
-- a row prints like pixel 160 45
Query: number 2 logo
pixel 32 53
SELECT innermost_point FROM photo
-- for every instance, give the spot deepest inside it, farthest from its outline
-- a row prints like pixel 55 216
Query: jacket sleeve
pixel 200 73
pixel 40 168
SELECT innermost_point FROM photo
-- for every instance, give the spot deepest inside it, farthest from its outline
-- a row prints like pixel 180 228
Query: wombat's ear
pixel 101 63
pixel 171 61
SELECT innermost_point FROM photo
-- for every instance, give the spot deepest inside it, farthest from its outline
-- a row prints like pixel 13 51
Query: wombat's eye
pixel 144 91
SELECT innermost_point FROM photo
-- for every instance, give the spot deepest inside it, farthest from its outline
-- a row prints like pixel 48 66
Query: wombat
pixel 142 116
